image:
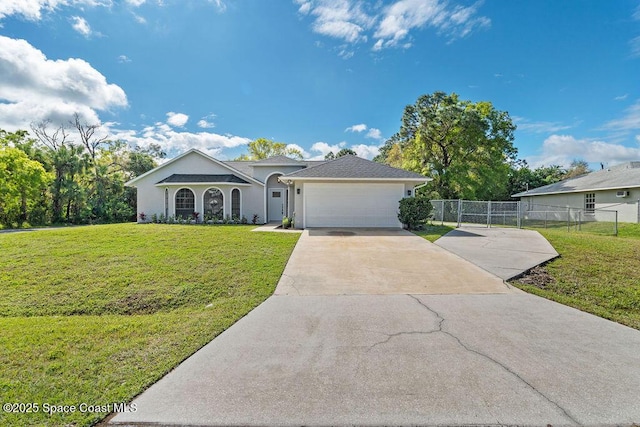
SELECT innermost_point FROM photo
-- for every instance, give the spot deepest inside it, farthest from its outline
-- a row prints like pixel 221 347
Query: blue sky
pixel 324 74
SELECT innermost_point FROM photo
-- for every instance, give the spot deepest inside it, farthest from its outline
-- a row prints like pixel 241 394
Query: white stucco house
pixel 612 189
pixel 346 192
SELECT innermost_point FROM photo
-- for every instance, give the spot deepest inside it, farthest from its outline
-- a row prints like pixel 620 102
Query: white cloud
pixel 366 151
pixel 374 133
pixel 207 122
pixel 305 154
pixel 136 3
pixel 219 4
pixel 539 127
pixel 177 142
pixel 32 9
pixel 139 19
pixel 635 46
pixel 630 121
pixel 356 128
pixel 123 59
pixel 403 16
pixel 355 21
pixel 305 6
pixel 81 26
pixel 341 19
pixel 34 88
pixel 177 119
pixel 363 150
pixel 563 149
pixel 323 148
pixel 621 97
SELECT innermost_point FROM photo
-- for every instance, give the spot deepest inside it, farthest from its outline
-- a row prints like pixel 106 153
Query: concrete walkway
pixel 505 252
pixel 378 358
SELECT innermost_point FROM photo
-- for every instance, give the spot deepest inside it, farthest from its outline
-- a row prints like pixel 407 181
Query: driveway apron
pixel 380 327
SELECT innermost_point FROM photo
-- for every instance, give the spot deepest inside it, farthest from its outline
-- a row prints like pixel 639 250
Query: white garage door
pixel 352 205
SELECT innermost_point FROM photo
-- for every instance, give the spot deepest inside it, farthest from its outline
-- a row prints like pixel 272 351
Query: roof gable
pixel 626 175
pixel 354 167
pixel 230 168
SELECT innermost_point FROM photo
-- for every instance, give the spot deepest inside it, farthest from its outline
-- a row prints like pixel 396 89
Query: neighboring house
pixel 614 189
pixel 346 192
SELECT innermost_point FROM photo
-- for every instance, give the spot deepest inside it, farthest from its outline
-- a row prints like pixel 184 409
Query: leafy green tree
pixel 22 182
pixel 523 178
pixel 263 148
pixel 342 152
pixel 577 168
pixel 466 148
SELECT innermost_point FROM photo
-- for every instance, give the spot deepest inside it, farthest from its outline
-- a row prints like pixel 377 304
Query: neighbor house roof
pixel 180 178
pixel 353 167
pixel 626 175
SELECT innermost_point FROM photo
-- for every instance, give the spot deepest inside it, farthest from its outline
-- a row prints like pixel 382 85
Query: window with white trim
pixel 235 203
pixel 590 203
pixel 185 203
pixel 213 204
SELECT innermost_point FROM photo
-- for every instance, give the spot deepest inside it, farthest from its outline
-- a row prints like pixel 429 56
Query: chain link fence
pixel 513 214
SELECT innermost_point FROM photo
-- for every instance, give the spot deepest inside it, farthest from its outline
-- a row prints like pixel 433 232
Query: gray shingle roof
pixel 243 166
pixel 277 160
pixel 626 175
pixel 202 178
pixel 354 167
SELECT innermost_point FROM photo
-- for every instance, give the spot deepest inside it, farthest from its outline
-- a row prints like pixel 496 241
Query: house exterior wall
pixel 151 198
pixel 627 207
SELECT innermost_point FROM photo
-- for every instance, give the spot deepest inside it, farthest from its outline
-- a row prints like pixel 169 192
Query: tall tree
pixel 342 152
pixel 67 161
pixel 22 181
pixel 466 148
pixel 577 168
pixel 263 148
pixel 523 178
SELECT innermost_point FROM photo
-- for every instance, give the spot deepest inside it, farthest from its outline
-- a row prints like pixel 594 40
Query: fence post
pixel 459 212
pixel 568 219
pixel 518 221
pixel 489 214
pixel 615 227
pixel 442 214
pixel 580 220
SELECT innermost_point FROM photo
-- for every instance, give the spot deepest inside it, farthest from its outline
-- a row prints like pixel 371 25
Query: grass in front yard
pixel 596 274
pixel 97 314
pixel 433 232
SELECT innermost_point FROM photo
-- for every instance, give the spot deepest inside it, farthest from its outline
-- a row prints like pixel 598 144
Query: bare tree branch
pixel 53 140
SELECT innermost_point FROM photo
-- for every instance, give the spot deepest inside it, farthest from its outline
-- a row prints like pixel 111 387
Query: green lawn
pixel 433 232
pixel 96 314
pixel 597 274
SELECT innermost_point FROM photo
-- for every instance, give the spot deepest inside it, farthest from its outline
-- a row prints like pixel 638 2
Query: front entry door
pixel 275 204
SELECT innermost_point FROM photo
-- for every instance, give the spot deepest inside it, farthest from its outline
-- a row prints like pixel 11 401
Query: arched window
pixel 213 204
pixel 185 203
pixel 235 203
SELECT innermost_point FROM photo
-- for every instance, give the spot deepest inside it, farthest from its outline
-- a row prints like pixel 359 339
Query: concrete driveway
pixel 378 262
pixel 337 352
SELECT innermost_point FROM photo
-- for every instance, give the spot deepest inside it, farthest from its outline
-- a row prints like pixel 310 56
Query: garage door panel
pixel 352 205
